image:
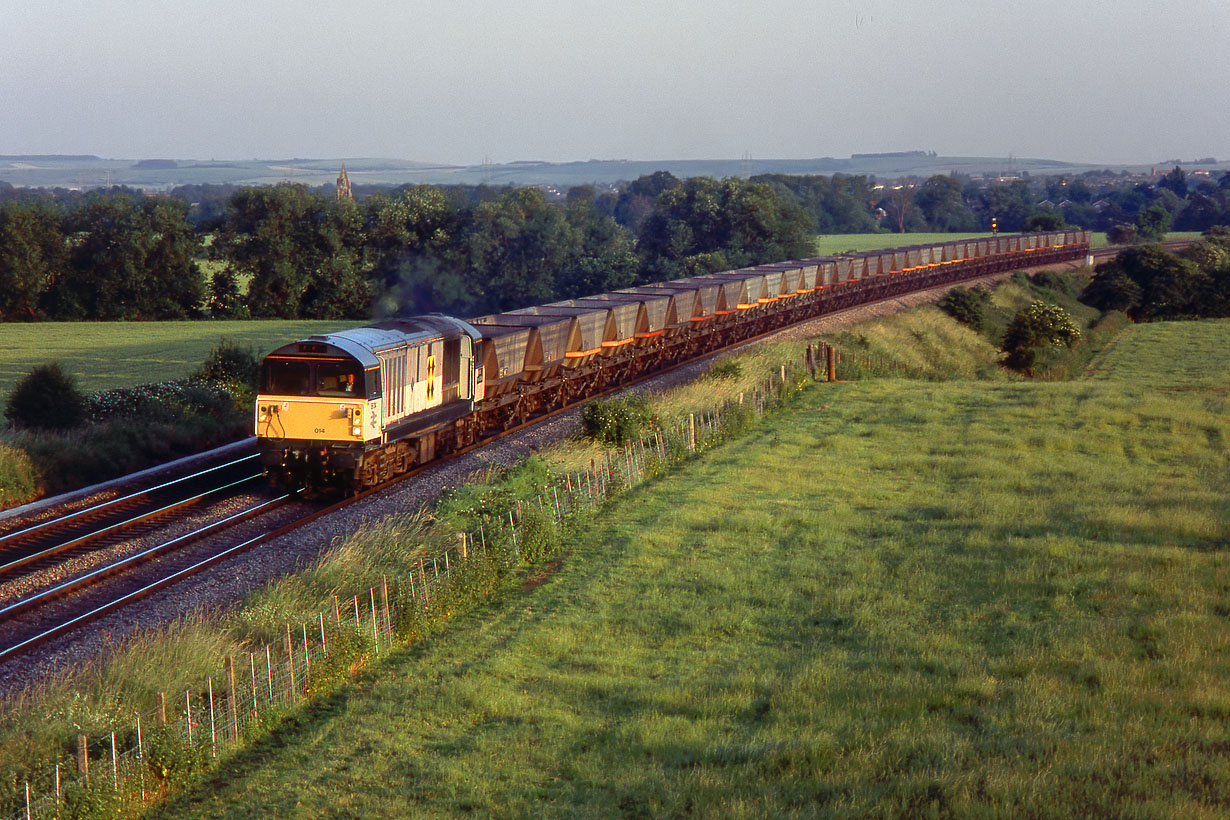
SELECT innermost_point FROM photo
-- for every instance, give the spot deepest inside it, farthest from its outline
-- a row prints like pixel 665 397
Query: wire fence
pixel 185 731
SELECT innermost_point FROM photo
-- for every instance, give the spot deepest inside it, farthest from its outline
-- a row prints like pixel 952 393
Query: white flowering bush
pixel 162 401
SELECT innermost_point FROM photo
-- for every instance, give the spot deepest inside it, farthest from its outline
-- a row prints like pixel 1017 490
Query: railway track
pixel 58 608
pixel 105 523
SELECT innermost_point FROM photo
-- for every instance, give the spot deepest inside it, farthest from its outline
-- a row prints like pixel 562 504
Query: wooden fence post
pixel 160 714
pixel 83 757
pixel 692 432
pixel 461 545
pixel 384 597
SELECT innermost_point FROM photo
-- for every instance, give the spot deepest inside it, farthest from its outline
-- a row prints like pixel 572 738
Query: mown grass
pixel 899 599
pixel 103 355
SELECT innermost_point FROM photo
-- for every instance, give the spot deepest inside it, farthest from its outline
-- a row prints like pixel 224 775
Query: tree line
pixel 287 251
pixel 291 251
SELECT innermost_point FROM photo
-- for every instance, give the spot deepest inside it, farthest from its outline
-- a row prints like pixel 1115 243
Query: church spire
pixel 343 185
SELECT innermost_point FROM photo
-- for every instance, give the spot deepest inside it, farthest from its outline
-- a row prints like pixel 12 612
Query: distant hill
pixel 88 171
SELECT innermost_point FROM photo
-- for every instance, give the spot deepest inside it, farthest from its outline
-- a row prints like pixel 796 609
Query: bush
pixel 967 306
pixel 724 369
pixel 1050 280
pixel 618 420
pixel 46 398
pixel 18 481
pixel 229 364
pixel 1037 326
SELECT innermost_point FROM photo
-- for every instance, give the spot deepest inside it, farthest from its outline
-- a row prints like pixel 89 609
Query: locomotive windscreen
pixel 312 377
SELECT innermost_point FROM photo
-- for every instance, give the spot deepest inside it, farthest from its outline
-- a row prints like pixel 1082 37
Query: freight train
pixel 352 409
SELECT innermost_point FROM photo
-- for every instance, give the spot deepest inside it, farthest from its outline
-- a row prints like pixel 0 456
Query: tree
pixel 174 287
pixel 516 246
pixel 1111 289
pixel 1175 181
pixel 130 258
pixel 417 250
pixel 967 305
pixel 1153 223
pixel 606 257
pixel 301 249
pixel 1041 221
pixel 636 200
pixel 1162 285
pixel 32 254
pixel 942 203
pixel 748 223
pixel 1037 326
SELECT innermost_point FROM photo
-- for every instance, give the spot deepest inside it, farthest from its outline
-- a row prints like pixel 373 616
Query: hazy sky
pixel 1117 81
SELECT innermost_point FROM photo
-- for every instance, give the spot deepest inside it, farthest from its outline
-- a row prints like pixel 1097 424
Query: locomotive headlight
pixel 356 422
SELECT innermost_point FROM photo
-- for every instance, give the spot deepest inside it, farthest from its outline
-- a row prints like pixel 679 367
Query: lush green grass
pixel 1175 355
pixel 900 599
pixel 830 244
pixel 103 355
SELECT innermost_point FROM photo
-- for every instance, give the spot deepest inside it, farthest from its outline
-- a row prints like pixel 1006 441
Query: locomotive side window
pixel 286 377
pixel 341 378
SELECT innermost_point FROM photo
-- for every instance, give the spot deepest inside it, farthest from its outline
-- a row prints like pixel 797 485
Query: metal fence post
pixel 307 659
pixel 256 713
pixel 289 647
pixel 213 727
pixel 188 713
pixel 375 629
pixel 232 708
pixel 384 603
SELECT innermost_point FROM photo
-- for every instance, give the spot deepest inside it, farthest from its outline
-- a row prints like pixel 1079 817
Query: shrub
pixel 228 364
pixel 617 420
pixel 1050 280
pixel 18 482
pixel 967 306
pixel 46 398
pixel 1034 327
pixel 724 369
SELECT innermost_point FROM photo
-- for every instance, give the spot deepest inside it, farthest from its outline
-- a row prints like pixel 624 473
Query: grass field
pixel 896 599
pixel 837 243
pixel 103 355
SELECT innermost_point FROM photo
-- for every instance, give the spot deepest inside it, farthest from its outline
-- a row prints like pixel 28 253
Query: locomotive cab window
pixel 339 378
pixel 300 377
pixel 286 377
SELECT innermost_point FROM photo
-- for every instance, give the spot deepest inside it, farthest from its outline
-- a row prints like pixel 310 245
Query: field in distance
pixel 104 355
pixel 892 599
pixel 830 244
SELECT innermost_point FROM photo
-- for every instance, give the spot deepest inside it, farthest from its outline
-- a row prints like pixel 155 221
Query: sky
pixel 468 81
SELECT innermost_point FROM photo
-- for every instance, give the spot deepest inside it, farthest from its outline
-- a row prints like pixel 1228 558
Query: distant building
pixel 343 185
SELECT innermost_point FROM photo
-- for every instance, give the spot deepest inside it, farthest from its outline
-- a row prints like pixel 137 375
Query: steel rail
pixel 130 561
pixel 95 508
pixel 121 525
pixel 123 600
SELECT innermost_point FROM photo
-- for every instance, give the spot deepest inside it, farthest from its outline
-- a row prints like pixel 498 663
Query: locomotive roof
pixel 362 343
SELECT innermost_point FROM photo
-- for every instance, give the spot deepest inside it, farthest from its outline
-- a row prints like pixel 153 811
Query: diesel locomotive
pixel 355 408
